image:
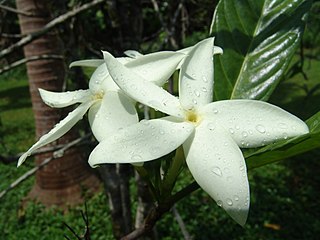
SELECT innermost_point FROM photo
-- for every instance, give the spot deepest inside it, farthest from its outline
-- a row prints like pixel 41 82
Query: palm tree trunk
pixel 63 180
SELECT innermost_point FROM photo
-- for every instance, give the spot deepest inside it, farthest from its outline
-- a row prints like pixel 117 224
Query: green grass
pixel 284 196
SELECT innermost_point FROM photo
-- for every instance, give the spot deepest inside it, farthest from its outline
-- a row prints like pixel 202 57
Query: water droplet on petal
pixel 204 89
pixel 161 132
pixel 236 197
pixel 260 129
pixel 215 111
pixel 197 93
pixel 204 79
pixel 244 134
pixel 229 202
pixel 217 171
pixel 136 157
pixel 219 203
pixel 283 126
pixel 194 101
pixel 285 136
pixel 231 130
pixel 211 126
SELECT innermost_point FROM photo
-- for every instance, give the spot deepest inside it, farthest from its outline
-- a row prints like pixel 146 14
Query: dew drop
pixel 133 86
pixel 283 126
pixel 211 126
pixel 145 122
pixel 260 129
pixel 136 157
pixel 229 202
pixel 285 136
pixel 244 134
pixel 241 168
pixel 215 111
pixel 219 203
pixel 236 197
pixel 161 132
pixel 197 93
pixel 194 101
pixel 204 89
pixel 237 127
pixel 217 171
pixel 231 130
pixel 204 79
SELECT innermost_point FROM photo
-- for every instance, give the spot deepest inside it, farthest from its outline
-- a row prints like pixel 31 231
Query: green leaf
pixel 259 39
pixel 286 148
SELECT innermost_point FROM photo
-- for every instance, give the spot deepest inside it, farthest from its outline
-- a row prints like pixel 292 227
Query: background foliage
pixel 284 196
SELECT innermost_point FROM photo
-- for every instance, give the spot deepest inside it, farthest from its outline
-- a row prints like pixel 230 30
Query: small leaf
pixel 259 39
pixel 286 148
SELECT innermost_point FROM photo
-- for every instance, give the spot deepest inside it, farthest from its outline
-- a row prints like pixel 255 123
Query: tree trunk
pixel 62 181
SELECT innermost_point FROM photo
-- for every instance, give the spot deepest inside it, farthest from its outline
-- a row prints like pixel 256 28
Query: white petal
pixel 196 76
pixel 87 63
pixel 141 90
pixel 156 67
pixel 115 111
pixel 133 54
pixel 254 123
pixel 144 141
pixel 218 166
pixel 64 99
pixel 59 129
pixel 101 81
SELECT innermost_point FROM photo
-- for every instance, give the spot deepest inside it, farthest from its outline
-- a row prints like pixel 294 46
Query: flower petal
pixel 141 142
pixel 101 81
pixel 115 111
pixel 133 54
pixel 196 76
pixel 87 63
pixel 59 130
pixel 218 166
pixel 141 90
pixel 156 67
pixel 64 99
pixel 253 123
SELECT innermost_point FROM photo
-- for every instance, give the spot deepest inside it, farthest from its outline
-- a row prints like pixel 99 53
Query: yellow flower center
pixel 98 95
pixel 193 117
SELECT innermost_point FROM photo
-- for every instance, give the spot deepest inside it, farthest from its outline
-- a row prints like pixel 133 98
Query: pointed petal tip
pixel 239 215
pixel 217 50
pixel 21 159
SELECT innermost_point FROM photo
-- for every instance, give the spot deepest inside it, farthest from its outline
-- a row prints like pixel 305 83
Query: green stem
pixel 172 173
pixel 145 175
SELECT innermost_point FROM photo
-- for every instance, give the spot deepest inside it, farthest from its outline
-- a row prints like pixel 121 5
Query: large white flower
pixel 110 108
pixel 210 132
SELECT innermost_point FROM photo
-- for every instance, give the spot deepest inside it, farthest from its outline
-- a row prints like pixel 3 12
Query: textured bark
pixel 61 182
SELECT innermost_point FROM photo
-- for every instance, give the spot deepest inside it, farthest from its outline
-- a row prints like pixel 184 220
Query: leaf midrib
pixel 250 45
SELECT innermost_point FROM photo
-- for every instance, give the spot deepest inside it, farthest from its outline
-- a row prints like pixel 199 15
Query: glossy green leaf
pixel 259 38
pixel 286 148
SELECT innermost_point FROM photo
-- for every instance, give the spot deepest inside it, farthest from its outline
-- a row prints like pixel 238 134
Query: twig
pixel 56 154
pixel 10 9
pixel 181 224
pixel 8 35
pixel 55 22
pixel 157 211
pixel 29 59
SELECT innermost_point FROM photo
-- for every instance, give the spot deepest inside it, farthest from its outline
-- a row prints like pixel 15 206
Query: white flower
pixel 210 132
pixel 110 108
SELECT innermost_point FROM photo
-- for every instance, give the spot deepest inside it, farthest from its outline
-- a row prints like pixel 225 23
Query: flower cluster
pixel 211 133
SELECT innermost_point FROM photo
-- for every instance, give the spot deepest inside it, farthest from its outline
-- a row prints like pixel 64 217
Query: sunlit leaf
pixel 286 148
pixel 259 39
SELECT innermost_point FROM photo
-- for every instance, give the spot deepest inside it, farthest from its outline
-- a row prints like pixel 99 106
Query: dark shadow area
pixel 18 97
